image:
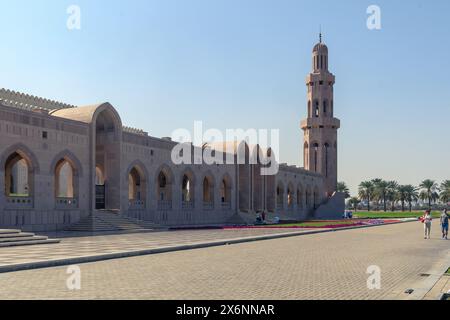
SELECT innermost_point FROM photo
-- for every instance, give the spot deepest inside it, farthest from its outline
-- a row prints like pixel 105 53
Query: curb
pixel 129 254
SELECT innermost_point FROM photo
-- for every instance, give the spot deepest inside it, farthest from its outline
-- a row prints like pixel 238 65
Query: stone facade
pixel 82 159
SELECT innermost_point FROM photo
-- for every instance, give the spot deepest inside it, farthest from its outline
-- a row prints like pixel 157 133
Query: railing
pixel 165 205
pixel 136 204
pixel 208 205
pixel 19 202
pixel 280 206
pixel 187 205
pixel 66 203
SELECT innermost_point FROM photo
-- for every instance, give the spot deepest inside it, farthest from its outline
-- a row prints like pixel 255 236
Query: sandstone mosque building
pixel 80 168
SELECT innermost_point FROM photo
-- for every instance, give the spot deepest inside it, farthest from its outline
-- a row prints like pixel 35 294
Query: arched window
pixel 163 188
pixel 208 193
pixel 327 153
pixel 187 189
pixel 309 109
pixel 316 155
pixel 306 155
pixel 64 180
pixel 325 107
pixel 137 187
pixel 290 197
pixel 316 109
pixel 17 176
pixel 316 198
pixel 280 196
pixel 225 192
pixel 134 185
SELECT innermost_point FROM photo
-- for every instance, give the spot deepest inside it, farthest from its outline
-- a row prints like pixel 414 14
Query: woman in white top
pixel 427 219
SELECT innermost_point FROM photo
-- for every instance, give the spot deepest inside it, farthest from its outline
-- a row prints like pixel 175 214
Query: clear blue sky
pixel 242 63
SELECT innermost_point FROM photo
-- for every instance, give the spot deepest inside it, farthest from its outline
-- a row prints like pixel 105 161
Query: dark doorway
pixel 100 197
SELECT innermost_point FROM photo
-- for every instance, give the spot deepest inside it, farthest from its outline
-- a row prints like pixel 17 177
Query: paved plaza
pixel 318 266
pixel 107 245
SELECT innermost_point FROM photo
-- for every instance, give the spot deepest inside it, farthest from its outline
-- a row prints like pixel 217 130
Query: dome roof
pixel 320 47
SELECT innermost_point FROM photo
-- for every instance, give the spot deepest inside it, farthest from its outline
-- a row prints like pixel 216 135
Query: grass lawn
pixel 390 214
pixel 448 271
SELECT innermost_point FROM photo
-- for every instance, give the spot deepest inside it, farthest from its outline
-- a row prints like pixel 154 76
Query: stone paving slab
pixel 95 248
pixel 331 265
pixel 441 287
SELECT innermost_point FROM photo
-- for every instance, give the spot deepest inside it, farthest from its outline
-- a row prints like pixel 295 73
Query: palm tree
pixel 342 187
pixel 353 203
pixel 402 195
pixel 429 191
pixel 381 191
pixel 366 192
pixel 392 193
pixel 445 192
pixel 411 195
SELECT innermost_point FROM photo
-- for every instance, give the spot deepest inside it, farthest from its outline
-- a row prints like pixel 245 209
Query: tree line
pixel 391 193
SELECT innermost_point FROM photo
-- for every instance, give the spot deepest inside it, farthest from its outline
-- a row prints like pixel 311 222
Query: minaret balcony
pixel 326 77
pixel 321 122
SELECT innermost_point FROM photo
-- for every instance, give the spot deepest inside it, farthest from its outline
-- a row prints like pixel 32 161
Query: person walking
pixel 426 220
pixel 444 224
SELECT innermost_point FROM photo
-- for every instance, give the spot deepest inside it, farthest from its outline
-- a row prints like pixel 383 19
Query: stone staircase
pixel 105 221
pixel 13 238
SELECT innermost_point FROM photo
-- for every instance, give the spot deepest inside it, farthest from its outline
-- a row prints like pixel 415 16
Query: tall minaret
pixel 320 148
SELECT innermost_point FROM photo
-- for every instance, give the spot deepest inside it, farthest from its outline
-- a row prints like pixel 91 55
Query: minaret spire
pixel 320 33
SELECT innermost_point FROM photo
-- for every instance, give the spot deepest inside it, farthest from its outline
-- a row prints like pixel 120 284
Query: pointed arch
pixel 314 156
pixel 326 158
pixel 140 166
pixel 308 195
pixel 280 195
pixel 137 177
pixel 187 189
pixel 290 195
pixel 66 170
pixel 71 158
pixel 208 186
pixel 25 153
pixel 225 190
pixel 306 155
pixel 19 165
pixel 164 187
pixel 316 198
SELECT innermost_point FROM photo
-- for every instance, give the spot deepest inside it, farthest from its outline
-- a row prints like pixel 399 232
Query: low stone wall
pixel 38 220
